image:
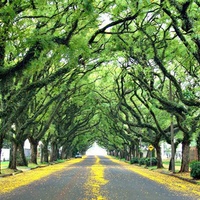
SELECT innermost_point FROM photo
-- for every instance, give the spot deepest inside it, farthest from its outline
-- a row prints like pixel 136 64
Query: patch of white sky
pixel 96 150
pixel 104 20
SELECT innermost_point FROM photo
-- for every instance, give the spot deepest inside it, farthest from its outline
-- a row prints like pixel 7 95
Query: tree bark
pixel 34 144
pixel 64 153
pixel 198 147
pixel 45 151
pixel 175 148
pixel 54 154
pixel 121 154
pixel 185 155
pixel 133 150
pixel 68 153
pixel 159 157
pixel 0 155
pixel 13 157
pixel 45 154
pixel 137 150
pixel 21 158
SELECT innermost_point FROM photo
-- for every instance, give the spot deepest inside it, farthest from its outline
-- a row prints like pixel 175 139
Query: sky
pixel 96 150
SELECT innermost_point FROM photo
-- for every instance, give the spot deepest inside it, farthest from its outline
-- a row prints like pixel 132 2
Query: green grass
pixel 4 167
pixel 4 164
pixel 60 161
pixel 177 163
pixel 32 165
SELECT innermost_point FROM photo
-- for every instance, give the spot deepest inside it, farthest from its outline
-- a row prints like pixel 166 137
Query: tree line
pixel 119 73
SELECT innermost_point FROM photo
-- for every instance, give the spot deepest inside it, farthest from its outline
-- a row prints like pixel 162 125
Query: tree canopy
pixel 73 72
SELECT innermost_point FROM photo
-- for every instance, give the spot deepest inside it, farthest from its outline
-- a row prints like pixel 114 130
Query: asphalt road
pixel 95 178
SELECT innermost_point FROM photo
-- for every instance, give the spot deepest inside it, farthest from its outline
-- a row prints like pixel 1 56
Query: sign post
pixel 172 131
pixel 150 149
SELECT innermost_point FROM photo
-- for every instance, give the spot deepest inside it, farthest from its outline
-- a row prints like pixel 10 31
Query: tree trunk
pixel 46 154
pixel 64 151
pixel 118 154
pixel 126 153
pixel 159 157
pixel 170 165
pixel 21 158
pixel 34 144
pixel 175 148
pixel 13 157
pixel 45 151
pixel 1 146
pixel 130 152
pixel 0 157
pixel 58 153
pixel 133 150
pixel 54 154
pixel 185 155
pixel 137 150
pixel 68 153
pixel 41 154
pixel 198 146
pixel 121 154
pixel 63 154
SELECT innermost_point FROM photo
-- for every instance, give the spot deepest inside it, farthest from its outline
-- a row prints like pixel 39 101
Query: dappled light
pixel 96 150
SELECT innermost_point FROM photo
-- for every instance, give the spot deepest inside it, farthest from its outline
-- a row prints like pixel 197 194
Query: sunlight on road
pixel 96 150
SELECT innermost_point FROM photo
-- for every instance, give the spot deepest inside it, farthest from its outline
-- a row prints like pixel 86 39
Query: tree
pixel 31 38
pixel 64 61
pixel 150 35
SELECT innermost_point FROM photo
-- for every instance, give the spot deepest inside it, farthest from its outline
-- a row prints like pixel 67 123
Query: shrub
pixel 195 170
pixel 134 160
pixel 141 161
pixel 152 161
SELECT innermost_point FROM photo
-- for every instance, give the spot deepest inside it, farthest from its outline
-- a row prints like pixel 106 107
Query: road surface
pixel 95 178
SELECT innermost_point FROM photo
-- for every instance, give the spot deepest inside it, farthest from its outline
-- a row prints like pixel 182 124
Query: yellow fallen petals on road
pixel 10 183
pixel 95 181
pixel 171 182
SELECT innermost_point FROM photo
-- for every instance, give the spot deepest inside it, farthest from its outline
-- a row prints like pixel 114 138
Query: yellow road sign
pixel 150 147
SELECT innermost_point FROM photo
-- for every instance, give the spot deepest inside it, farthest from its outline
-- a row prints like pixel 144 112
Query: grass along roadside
pixel 5 171
pixel 12 182
pixel 172 182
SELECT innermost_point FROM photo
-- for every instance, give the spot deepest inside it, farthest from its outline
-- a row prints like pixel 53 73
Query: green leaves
pixel 117 86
